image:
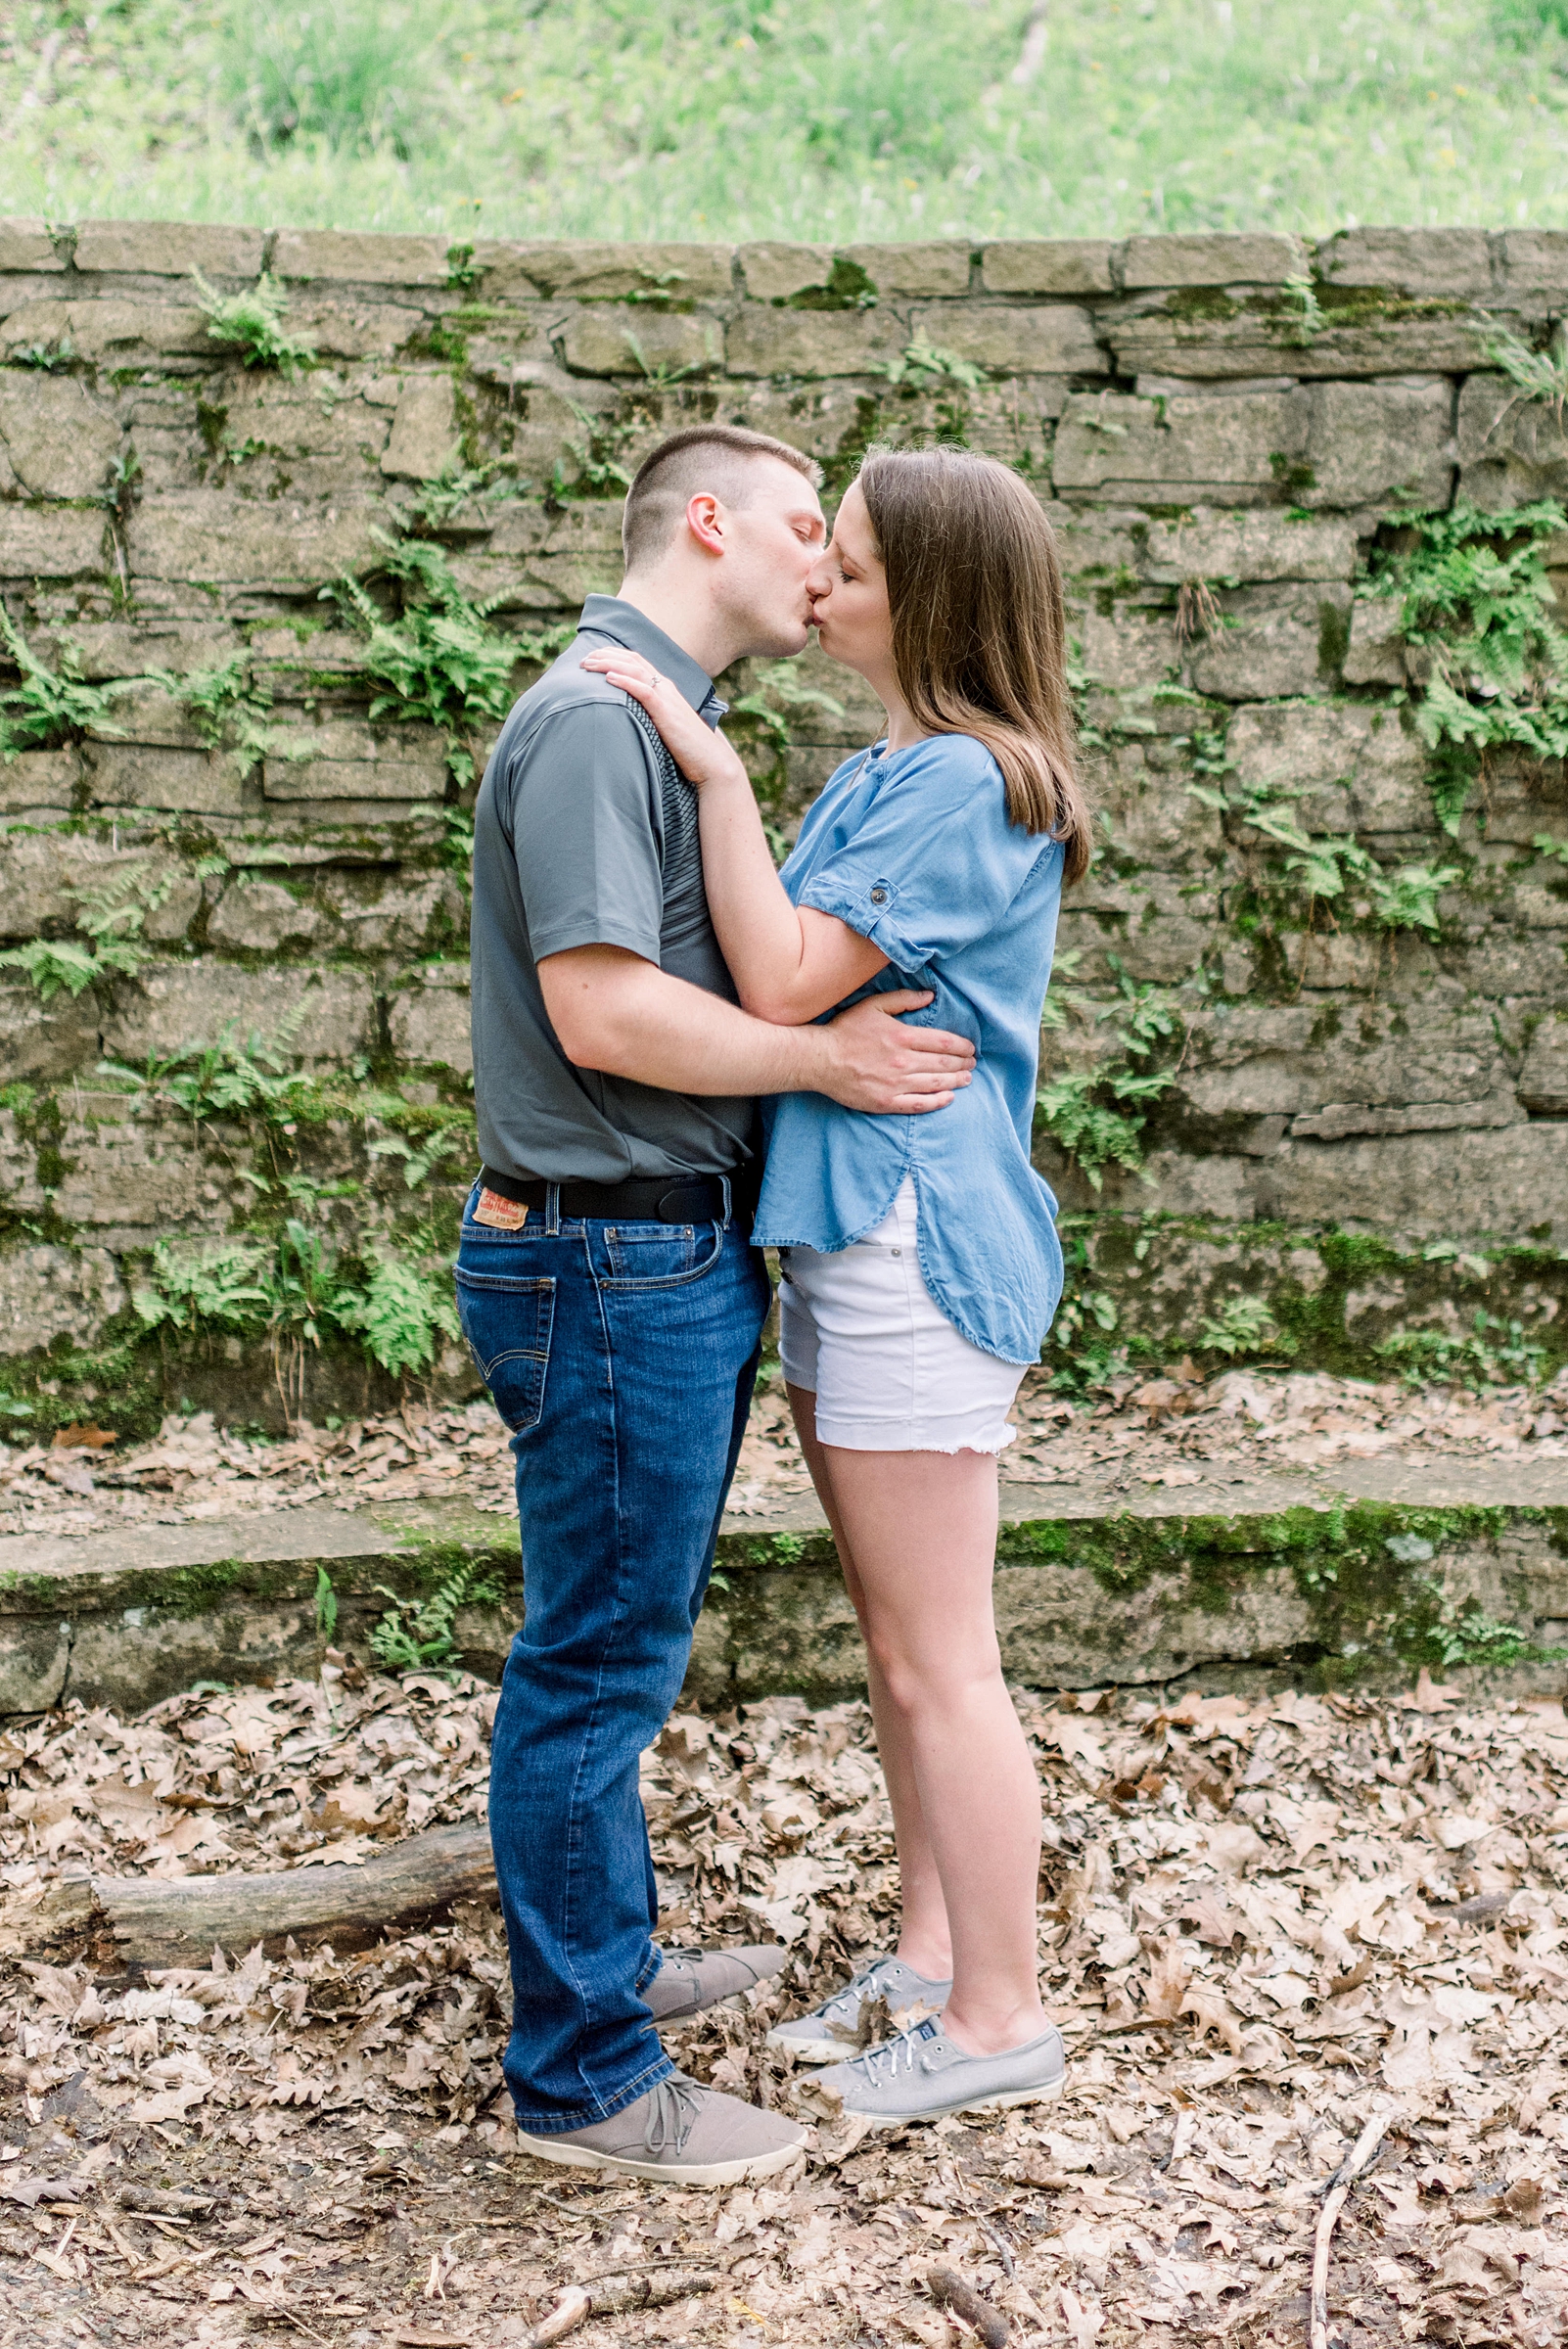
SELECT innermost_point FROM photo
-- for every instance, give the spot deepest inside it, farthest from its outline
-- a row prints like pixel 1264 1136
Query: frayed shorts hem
pixel 903 1435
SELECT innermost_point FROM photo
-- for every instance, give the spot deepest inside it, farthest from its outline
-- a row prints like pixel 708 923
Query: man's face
pixel 771 544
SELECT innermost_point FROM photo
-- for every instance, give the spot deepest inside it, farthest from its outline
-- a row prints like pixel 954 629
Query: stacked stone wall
pixel 1366 1132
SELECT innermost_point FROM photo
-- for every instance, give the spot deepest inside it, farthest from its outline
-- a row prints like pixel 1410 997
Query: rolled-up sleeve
pixel 937 863
pixel 585 835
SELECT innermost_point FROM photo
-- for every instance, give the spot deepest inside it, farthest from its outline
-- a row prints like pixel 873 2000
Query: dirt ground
pixel 1261 1925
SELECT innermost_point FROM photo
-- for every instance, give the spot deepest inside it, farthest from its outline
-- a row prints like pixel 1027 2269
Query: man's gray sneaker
pixel 691 1979
pixel 921 2074
pixel 832 2031
pixel 681 2135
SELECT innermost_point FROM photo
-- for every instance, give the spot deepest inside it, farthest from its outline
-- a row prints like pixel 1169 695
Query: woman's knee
pixel 921 1675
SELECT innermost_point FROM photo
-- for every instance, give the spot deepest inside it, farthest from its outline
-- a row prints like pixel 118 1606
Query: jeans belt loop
pixel 729 1203
pixel 552 1210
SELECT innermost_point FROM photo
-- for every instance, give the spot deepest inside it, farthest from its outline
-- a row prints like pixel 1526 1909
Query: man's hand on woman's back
pixel 614 1011
pixel 888 1069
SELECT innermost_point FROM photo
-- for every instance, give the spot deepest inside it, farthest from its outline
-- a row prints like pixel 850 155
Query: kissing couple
pixel 682 1058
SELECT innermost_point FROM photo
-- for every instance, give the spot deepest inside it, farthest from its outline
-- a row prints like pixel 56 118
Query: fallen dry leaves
pixel 1169 1430
pixel 1262 1924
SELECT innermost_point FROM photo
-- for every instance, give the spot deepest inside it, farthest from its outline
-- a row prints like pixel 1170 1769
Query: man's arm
pixel 615 1012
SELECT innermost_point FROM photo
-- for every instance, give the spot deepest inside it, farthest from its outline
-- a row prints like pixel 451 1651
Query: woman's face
pixel 849 592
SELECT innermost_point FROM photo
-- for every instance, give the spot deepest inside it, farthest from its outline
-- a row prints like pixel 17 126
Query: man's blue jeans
pixel 622 1355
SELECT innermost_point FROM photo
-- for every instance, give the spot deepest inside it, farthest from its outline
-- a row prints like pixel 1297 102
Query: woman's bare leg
pixel 920 1527
pixel 924 1940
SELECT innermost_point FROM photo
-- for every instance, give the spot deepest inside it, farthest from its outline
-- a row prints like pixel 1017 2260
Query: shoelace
pixel 676 2105
pixel 854 1993
pixel 892 2057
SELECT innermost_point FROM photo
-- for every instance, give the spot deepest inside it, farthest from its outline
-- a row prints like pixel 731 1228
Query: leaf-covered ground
pixel 1261 1923
pixel 1170 1430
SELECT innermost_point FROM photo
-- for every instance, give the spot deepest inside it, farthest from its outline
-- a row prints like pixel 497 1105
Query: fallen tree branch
pixel 613 2296
pixel 949 2290
pixel 169 1920
pixel 1339 2187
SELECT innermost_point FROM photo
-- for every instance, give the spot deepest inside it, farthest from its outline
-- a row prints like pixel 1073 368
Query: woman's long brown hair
pixel 979 629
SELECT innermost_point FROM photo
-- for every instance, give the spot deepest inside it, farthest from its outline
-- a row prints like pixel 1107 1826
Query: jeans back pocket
pixel 506 1323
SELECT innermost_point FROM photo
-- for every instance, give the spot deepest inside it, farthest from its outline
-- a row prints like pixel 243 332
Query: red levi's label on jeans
pixel 502 1215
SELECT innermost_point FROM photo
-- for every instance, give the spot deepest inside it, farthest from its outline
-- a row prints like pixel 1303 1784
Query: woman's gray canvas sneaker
pixel 832 2030
pixel 679 2134
pixel 921 2075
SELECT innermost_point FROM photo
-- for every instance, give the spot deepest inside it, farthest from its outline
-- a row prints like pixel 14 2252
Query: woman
pixel 921 1259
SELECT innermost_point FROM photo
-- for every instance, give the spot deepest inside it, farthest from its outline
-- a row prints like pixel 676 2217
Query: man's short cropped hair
pixel 715 457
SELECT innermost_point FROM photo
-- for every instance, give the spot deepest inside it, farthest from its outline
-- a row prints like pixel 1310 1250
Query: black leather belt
pixel 652 1199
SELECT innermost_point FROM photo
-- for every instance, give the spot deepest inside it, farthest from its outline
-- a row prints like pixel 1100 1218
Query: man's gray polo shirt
pixel 585 834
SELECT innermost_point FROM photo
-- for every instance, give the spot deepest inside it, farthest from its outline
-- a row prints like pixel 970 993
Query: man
pixel 609 1290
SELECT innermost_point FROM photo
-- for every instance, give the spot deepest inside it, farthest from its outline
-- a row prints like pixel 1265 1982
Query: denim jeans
pixel 622 1355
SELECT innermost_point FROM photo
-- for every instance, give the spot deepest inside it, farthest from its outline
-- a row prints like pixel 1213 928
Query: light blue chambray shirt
pixel 916 852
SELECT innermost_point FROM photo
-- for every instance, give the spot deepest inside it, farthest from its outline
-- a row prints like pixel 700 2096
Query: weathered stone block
pixel 1355 765
pixel 429 1017
pixel 425 437
pixel 1260 544
pixel 608 273
pixel 215 540
pixel 120 647
pixel 42 876
pixel 1373 443
pixel 170 248
pixel 35 782
pixel 1126 647
pixel 640 343
pixel 108 333
pixel 1281 639
pixel 59 442
pixel 1511 450
pixel 1512 1180
pixel 1057 339
pixel 1445 263
pixel 43 1044
pixel 812 342
pixel 379 915
pixel 342 759
pixel 49 1293
pixel 36 1656
pixel 1254 256
pixel 1544 1076
pixel 293 420
pixel 1365 1068
pixel 128 774
pixel 929 268
pixel 360 259
pixel 261 918
pixel 1259 341
pixel 26 247
pixel 772 272
pixel 52 542
pixel 144 713
pixel 1242 440
pixel 1048 266
pixel 170 1007
pixel 344 326
pixel 1535 263
pixel 1375 653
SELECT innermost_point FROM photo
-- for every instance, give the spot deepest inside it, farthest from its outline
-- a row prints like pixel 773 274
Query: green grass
pixel 732 119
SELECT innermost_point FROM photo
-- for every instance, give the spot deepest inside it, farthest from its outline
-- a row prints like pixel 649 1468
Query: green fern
pixel 48 707
pixel 251 323
pixel 438 659
pixel 416 1634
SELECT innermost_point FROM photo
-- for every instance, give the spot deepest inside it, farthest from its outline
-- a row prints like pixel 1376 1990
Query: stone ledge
pixel 1217 1585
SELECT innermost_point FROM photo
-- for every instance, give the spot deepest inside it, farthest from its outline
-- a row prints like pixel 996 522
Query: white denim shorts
pixel 889 1372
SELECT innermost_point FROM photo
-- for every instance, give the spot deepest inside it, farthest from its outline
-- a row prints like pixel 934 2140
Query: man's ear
pixel 705 519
